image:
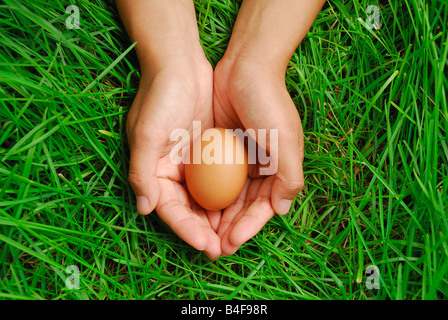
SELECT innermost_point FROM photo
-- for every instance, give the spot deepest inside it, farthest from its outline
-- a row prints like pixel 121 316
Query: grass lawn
pixel 371 222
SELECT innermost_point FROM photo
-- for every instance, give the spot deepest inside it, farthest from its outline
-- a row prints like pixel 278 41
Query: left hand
pixel 248 96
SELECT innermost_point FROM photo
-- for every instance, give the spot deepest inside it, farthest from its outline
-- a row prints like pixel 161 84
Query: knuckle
pixel 141 131
pixel 134 179
pixel 300 186
pixel 294 185
pixel 129 126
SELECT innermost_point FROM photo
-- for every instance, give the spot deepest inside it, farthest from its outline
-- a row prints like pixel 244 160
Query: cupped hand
pixel 171 98
pixel 251 96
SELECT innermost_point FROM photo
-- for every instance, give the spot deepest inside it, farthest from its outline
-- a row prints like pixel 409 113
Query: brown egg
pixel 217 170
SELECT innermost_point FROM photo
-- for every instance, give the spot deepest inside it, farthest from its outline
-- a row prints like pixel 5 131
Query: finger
pixel 229 213
pixel 190 225
pixel 144 158
pixel 214 217
pixel 252 220
pixel 289 178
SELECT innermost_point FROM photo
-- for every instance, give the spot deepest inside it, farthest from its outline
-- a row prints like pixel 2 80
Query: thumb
pixel 142 174
pixel 289 176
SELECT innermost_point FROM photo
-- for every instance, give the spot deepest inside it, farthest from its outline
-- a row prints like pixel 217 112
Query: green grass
pixel 375 116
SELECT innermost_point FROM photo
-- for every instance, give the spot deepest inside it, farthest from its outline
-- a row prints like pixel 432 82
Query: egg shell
pixel 218 179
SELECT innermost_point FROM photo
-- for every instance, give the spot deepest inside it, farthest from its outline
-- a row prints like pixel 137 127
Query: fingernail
pixel 212 258
pixel 283 206
pixel 143 205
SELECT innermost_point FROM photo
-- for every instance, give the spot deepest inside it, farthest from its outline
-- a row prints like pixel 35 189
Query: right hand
pixel 170 99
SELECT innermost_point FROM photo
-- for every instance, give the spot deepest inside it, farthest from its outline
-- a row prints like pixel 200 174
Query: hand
pixel 171 99
pixel 250 93
pixel 175 89
pixel 249 96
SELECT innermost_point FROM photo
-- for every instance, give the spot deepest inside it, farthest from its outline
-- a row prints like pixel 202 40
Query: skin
pixel 246 90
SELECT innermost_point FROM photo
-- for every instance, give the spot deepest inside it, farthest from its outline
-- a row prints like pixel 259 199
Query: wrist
pixel 245 67
pixel 190 75
pixel 268 32
pixel 171 53
pixel 259 38
pixel 164 30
